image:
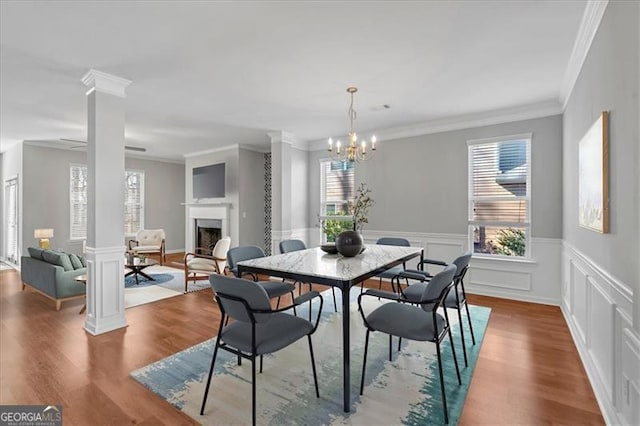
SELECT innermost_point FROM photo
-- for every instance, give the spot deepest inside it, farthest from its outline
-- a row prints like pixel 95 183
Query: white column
pixel 281 144
pixel 105 202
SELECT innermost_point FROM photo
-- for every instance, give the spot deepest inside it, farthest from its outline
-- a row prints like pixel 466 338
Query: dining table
pixel 315 266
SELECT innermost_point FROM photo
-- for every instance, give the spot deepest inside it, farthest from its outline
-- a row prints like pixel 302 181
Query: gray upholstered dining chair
pixel 287 246
pixel 257 329
pixel 421 323
pixel 457 297
pixel 273 288
pixel 391 273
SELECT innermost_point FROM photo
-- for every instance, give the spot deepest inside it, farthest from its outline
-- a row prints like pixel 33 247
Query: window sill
pixel 520 260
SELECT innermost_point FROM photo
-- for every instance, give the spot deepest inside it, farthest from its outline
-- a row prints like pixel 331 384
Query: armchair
pixel 149 241
pixel 199 266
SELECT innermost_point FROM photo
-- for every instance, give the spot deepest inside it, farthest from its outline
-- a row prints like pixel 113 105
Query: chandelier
pixel 352 151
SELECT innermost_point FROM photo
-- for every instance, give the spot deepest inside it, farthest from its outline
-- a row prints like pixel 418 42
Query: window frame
pixel 526 225
pixel 142 200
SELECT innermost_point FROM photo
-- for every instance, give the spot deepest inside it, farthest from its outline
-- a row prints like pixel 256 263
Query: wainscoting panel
pixel 491 277
pixel 579 301
pixel 533 280
pixel 597 308
pixel 600 337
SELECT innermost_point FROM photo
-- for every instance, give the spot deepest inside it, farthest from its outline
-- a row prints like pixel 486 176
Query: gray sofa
pixel 52 273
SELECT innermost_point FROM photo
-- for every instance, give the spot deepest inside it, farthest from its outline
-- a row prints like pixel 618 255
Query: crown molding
pixel 288 138
pixel 106 83
pixel 589 25
pixel 506 115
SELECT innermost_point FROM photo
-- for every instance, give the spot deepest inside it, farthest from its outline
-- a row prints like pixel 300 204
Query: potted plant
pixel 349 243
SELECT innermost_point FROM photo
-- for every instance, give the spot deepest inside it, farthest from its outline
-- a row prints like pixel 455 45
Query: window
pixel 337 187
pixel 133 202
pixel 11 220
pixel 499 195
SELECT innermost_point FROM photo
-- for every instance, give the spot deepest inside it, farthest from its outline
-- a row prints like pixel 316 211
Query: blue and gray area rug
pixel 404 391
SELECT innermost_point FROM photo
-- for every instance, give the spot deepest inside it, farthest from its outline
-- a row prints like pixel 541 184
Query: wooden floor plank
pixel 528 371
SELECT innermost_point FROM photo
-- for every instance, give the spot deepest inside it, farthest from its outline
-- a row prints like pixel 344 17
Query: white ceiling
pixel 211 74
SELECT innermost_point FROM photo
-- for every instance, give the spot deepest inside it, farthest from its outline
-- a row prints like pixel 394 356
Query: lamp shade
pixel 43 233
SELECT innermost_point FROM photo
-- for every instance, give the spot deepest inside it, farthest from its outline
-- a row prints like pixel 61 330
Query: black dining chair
pixel 273 288
pixel 391 273
pixel 287 246
pixel 457 298
pixel 406 320
pixel 257 329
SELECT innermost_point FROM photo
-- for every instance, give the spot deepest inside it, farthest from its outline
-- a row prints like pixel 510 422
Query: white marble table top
pixel 314 262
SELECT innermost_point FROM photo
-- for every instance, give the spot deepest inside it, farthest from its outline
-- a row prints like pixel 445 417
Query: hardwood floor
pixel 528 372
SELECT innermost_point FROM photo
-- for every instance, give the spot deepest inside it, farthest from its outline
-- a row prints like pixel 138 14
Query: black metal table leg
pixel 346 368
pixel 147 277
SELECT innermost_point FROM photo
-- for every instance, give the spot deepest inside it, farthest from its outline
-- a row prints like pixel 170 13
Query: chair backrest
pixel 393 241
pixel 287 246
pixel 238 254
pixel 150 237
pixel 438 286
pixel 232 291
pixel 219 253
pixel 462 264
pixel 221 248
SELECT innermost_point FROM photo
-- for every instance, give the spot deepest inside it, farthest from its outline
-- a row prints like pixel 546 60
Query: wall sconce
pixel 44 235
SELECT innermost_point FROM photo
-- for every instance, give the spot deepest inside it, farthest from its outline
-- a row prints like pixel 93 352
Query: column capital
pixel 105 83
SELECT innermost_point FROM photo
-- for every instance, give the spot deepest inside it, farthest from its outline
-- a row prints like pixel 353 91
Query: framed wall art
pixel 593 176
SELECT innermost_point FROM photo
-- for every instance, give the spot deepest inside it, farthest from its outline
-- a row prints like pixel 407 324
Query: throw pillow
pixel 83 260
pixel 75 261
pixel 35 253
pixel 60 259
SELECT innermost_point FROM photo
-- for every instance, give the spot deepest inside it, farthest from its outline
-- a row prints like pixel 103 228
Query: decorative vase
pixel 349 243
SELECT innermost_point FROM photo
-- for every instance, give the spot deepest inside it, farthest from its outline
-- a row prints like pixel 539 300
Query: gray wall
pixel 46 196
pixel 420 184
pixel 163 193
pixel 608 82
pixel 251 196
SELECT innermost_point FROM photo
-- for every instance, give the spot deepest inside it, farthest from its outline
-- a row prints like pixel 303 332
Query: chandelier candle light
pixel 352 152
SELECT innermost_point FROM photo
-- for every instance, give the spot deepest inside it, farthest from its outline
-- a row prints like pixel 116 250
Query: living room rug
pixel 171 284
pixel 404 391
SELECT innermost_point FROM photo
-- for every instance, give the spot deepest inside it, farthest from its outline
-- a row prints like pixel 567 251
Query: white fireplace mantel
pixel 205 211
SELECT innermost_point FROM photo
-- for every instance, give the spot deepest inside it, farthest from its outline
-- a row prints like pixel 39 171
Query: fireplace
pixel 213 218
pixel 207 232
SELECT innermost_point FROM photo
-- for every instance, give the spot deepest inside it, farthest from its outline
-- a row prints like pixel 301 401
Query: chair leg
pixel 293 296
pixel 444 396
pixel 253 390
pixel 364 361
pixel 473 338
pixel 390 344
pixel 206 389
pixel 239 360
pixel 399 343
pixel 260 364
pixel 313 366
pixel 335 305
pixel 453 351
pixel 464 347
pixel 278 303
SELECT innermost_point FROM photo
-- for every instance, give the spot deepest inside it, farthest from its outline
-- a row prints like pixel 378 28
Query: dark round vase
pixel 349 243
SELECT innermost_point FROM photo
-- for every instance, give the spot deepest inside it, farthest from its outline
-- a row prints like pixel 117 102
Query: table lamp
pixel 44 235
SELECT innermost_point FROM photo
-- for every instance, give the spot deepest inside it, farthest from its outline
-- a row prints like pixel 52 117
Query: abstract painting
pixel 593 176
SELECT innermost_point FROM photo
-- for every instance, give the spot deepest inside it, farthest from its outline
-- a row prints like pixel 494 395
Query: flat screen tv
pixel 209 181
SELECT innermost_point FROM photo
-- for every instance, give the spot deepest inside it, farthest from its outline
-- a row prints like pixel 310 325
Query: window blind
pixel 11 197
pixel 133 201
pixel 338 186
